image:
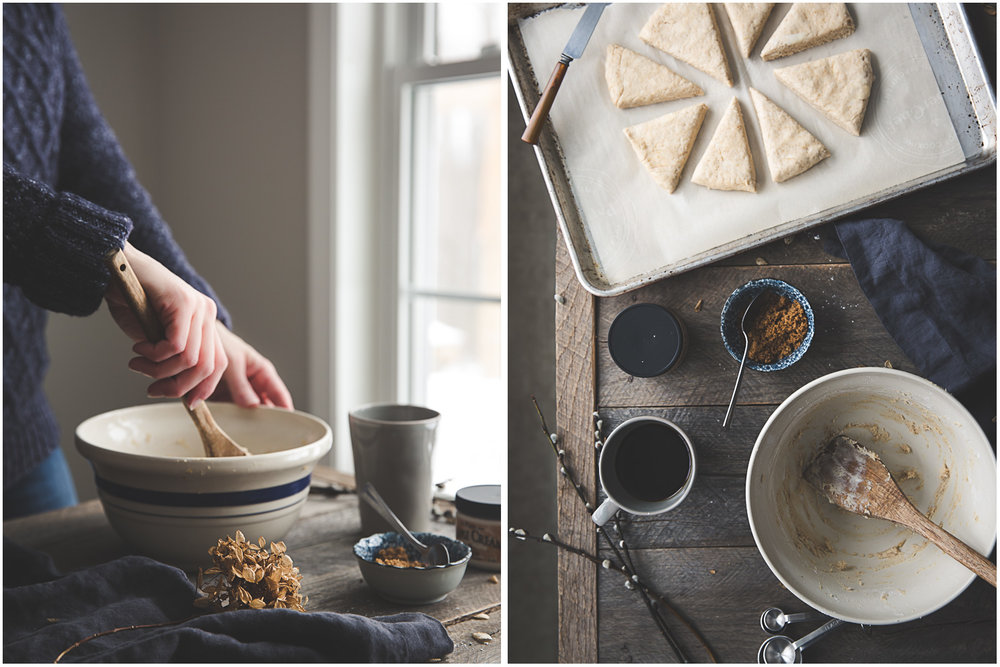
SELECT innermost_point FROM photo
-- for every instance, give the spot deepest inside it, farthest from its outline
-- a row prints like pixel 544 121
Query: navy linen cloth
pixel 937 303
pixel 45 612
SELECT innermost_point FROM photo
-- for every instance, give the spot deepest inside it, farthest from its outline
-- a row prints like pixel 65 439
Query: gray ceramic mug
pixel 392 446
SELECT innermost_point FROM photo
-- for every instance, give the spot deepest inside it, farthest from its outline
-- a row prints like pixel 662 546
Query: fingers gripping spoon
pixel 215 441
pixel 854 478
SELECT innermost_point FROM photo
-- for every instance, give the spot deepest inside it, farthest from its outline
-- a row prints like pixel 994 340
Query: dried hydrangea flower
pixel 246 575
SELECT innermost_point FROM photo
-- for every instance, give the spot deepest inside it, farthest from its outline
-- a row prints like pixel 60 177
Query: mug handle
pixel 604 513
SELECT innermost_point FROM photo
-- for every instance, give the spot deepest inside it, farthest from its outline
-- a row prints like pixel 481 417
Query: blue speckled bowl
pixel 736 305
pixel 410 585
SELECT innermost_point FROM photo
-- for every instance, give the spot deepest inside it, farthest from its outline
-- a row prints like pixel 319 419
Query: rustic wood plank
pixel 723 591
pixel 961 213
pixel 469 650
pixel 574 422
pixel 332 580
pixel 718 451
pixel 848 334
pixel 713 514
pixel 75 537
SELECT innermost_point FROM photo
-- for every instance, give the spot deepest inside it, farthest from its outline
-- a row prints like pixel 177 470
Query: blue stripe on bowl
pixel 109 502
pixel 220 499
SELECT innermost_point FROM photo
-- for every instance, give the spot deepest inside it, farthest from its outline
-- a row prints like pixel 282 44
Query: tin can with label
pixel 477 523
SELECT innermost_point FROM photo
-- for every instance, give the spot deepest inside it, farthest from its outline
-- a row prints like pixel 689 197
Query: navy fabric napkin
pixel 45 612
pixel 937 303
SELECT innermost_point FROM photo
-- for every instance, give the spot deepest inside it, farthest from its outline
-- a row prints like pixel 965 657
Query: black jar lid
pixel 482 502
pixel 645 340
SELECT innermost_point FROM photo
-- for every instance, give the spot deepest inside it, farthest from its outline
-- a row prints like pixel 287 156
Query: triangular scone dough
pixel 727 163
pixel 664 144
pixel 838 86
pixel 790 148
pixel 688 32
pixel 748 19
pixel 635 80
pixel 807 25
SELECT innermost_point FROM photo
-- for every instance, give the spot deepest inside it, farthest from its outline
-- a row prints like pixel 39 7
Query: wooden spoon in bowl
pixel 854 478
pixel 213 438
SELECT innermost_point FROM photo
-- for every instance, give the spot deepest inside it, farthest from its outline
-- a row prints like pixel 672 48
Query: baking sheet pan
pixel 932 116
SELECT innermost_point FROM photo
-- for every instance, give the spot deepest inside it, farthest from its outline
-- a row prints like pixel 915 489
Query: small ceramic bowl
pixel 411 585
pixel 736 305
pixel 168 500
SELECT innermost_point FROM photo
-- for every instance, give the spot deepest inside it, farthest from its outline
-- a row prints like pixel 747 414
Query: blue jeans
pixel 49 486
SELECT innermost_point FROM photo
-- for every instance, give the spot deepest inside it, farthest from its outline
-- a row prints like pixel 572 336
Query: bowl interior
pixel 869 570
pixel 367 548
pixel 164 430
pixel 732 315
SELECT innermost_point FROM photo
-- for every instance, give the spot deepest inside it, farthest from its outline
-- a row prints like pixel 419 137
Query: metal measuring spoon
pixel 746 349
pixel 433 555
pixel 774 620
pixel 781 650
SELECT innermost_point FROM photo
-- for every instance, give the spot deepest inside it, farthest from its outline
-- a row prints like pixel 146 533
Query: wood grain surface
pixel 321 545
pixel 702 556
pixel 574 419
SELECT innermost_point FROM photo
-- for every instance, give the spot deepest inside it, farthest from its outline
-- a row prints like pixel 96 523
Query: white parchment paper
pixel 637 229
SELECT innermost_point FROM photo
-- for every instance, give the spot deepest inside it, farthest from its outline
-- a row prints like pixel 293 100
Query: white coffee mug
pixel 647 466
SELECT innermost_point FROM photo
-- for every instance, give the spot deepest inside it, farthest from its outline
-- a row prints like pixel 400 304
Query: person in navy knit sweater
pixel 70 197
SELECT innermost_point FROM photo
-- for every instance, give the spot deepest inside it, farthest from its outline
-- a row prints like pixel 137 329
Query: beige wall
pixel 210 105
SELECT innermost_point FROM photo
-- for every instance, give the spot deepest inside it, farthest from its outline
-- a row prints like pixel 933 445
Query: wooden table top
pixel 320 544
pixel 702 556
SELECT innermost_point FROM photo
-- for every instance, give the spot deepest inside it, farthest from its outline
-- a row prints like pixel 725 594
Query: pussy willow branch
pixel 626 563
pixel 658 597
pixel 631 581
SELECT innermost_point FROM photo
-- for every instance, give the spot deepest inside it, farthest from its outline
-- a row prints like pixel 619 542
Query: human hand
pixel 250 379
pixel 190 359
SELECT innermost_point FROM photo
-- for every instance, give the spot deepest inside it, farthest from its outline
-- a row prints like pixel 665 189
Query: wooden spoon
pixel 213 438
pixel 854 478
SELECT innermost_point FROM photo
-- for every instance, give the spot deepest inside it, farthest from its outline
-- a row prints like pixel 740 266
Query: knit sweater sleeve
pixel 93 166
pixel 55 244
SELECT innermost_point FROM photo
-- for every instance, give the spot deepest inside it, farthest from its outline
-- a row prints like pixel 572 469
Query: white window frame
pixel 364 64
pixel 406 78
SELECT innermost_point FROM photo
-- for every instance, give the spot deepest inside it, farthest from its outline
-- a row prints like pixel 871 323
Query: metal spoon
pixel 774 620
pixel 780 650
pixel 433 555
pixel 746 349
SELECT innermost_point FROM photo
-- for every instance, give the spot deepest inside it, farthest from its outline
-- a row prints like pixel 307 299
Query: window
pixel 449 323
pixel 406 282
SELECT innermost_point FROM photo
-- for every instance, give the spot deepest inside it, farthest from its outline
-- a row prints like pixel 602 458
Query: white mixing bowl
pixel 169 501
pixel 854 568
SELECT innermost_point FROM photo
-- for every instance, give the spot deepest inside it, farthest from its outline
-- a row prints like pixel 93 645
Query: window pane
pixel 463 30
pixel 455 352
pixel 455 234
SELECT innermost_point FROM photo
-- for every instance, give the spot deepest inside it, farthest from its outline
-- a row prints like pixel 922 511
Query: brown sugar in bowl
pixel 784 327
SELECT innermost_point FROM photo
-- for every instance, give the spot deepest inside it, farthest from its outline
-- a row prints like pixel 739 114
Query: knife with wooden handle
pixel 574 49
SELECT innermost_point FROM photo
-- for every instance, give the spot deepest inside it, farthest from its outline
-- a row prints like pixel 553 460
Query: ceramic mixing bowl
pixel 169 501
pixel 411 585
pixel 860 569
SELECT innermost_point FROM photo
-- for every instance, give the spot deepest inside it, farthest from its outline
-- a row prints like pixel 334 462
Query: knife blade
pixel 573 50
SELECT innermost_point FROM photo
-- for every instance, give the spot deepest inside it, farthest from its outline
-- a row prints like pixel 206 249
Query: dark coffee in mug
pixel 652 462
